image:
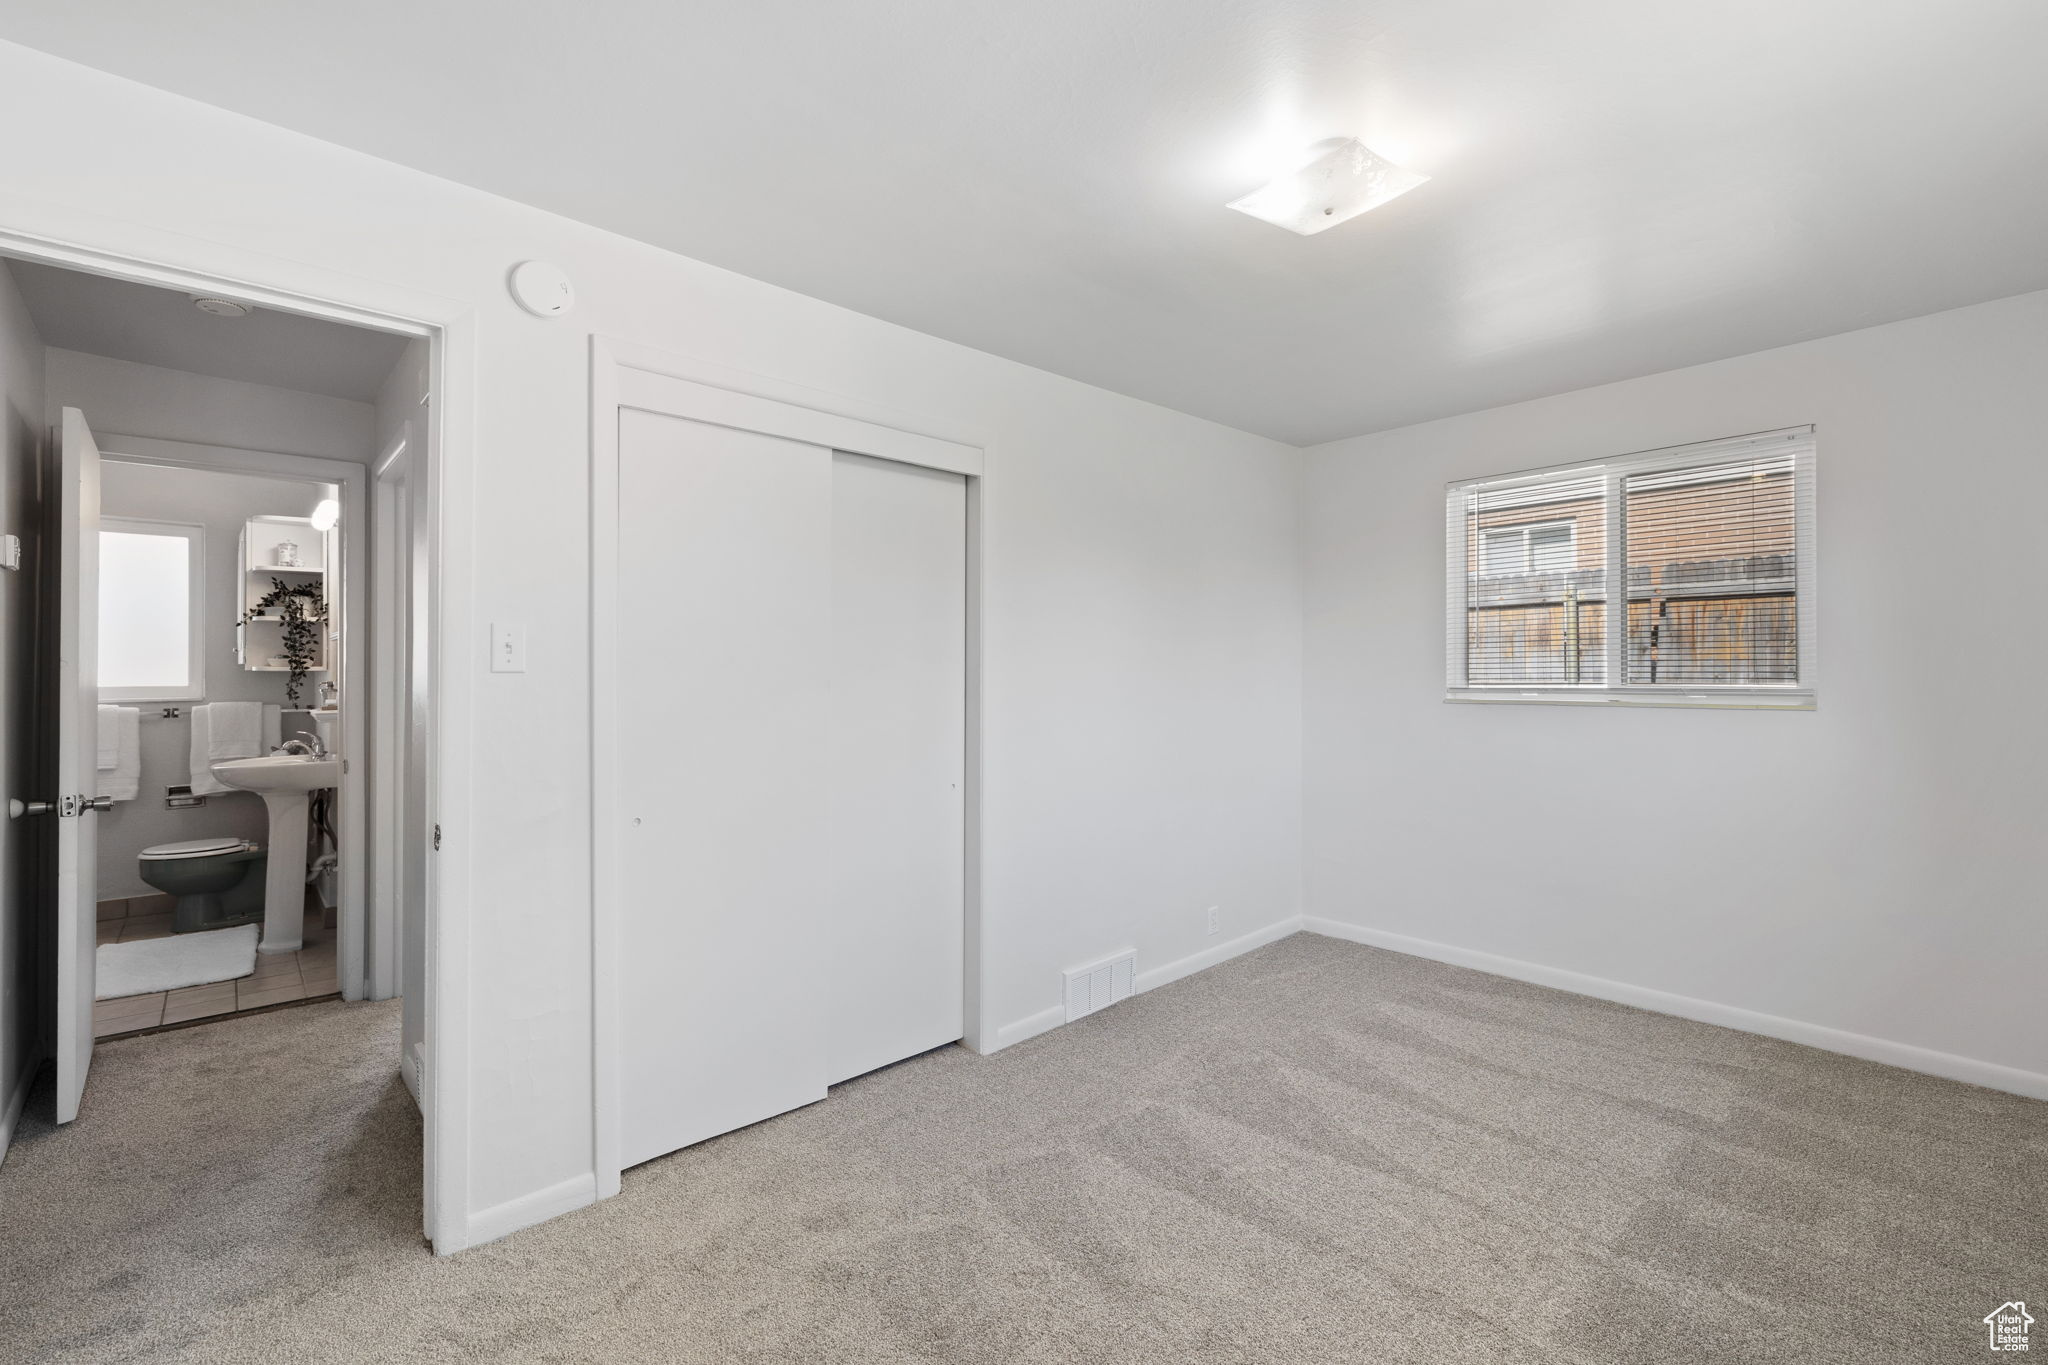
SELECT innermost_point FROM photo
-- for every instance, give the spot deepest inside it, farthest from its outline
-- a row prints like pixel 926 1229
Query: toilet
pixel 211 878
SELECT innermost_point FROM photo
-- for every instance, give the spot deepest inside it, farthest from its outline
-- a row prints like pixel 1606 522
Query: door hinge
pixel 437 838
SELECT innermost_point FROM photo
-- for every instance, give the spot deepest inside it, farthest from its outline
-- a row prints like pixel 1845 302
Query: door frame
pixel 447 491
pixel 626 375
pixel 353 863
pixel 383 969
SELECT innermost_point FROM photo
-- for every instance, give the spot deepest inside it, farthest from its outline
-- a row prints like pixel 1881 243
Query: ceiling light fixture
pixel 1341 183
pixel 325 515
pixel 221 308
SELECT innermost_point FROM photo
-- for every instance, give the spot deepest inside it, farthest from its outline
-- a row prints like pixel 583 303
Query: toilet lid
pixel 195 848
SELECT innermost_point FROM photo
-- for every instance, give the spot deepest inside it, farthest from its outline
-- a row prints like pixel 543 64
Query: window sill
pixel 1719 699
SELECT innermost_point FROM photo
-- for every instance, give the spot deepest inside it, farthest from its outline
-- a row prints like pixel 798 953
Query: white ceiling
pixel 151 326
pixel 1619 187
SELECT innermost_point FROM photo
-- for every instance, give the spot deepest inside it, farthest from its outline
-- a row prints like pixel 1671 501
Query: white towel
pixel 123 779
pixel 204 783
pixel 110 735
pixel 205 747
pixel 237 730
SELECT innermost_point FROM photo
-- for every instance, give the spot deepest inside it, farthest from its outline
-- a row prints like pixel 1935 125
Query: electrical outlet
pixel 1215 920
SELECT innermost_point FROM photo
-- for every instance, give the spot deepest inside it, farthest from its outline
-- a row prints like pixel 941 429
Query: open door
pixel 76 709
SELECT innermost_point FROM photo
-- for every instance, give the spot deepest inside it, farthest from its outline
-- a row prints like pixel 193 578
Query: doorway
pixel 349 664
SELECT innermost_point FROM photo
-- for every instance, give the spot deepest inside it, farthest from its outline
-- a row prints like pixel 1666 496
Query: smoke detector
pixel 221 308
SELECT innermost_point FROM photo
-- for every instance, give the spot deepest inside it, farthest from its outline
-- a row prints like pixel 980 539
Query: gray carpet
pixel 1319 1152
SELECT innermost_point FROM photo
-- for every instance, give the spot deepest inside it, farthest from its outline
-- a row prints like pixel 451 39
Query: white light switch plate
pixel 508 649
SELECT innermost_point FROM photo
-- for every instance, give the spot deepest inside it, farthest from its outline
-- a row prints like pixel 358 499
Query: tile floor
pixel 279 979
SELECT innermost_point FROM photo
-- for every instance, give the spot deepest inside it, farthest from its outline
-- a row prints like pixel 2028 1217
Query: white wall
pixel 221 503
pixel 1874 866
pixel 1141 605
pixel 21 841
pixel 124 398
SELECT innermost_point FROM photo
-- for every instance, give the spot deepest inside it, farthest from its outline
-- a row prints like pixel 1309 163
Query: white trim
pixel 1907 1056
pixel 31 1063
pixel 170 260
pixel 1030 1026
pixel 1046 1020
pixel 1221 952
pixel 501 1220
pixel 194 536
pixel 626 375
pixel 409 1071
pixel 389 712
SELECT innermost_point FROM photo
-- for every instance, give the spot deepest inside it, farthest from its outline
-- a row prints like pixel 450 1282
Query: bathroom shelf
pixel 258 638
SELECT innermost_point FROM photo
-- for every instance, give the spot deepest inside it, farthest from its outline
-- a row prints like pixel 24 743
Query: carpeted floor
pixel 1316 1153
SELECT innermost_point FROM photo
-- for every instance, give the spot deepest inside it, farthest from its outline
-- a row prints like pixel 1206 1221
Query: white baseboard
pixel 1030 1026
pixel 1991 1075
pixel 17 1101
pixel 1222 952
pixel 1046 1020
pixel 528 1209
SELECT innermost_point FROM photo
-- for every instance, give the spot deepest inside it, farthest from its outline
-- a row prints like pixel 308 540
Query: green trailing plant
pixel 301 610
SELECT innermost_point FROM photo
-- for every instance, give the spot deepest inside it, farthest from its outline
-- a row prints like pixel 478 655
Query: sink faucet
pixel 308 746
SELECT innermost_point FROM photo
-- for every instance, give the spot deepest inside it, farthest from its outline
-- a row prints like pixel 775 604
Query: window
pixel 1705 553
pixel 152 581
pixel 1541 548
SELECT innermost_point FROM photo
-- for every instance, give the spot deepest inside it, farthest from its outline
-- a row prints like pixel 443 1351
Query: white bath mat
pixel 149 965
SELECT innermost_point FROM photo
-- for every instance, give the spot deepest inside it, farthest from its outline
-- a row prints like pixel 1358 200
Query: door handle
pixel 98 803
pixel 16 808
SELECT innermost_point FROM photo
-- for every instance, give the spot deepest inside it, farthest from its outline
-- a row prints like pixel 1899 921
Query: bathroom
pixel 230 516
pixel 182 850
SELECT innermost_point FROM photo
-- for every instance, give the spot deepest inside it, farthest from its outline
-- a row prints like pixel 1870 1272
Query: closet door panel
pixel 724 706
pixel 899 658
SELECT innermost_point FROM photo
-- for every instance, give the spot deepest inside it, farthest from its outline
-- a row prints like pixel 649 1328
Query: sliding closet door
pixel 899 686
pixel 724 706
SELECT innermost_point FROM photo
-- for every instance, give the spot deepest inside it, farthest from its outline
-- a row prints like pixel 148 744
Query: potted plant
pixel 301 610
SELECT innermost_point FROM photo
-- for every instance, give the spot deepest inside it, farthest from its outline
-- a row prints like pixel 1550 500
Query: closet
pixel 790 682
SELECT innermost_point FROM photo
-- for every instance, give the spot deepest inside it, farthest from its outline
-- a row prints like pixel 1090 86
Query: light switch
pixel 508 649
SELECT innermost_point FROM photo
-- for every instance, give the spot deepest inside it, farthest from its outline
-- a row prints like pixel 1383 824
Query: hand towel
pixel 123 781
pixel 204 783
pixel 110 736
pixel 237 730
pixel 204 755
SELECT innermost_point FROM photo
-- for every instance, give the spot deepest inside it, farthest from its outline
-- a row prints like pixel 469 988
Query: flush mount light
pixel 1339 184
pixel 325 515
pixel 221 308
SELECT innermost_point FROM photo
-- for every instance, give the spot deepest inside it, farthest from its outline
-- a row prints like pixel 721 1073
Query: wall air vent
pixel 1100 984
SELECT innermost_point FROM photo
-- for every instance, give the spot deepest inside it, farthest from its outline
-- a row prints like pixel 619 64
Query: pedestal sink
pixel 286 782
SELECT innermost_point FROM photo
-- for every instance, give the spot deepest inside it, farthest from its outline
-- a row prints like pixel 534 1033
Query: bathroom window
pixel 152 591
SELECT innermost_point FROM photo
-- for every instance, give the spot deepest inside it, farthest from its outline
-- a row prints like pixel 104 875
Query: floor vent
pixel 1103 983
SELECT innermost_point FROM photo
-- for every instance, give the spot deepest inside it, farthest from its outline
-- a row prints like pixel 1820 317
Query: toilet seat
pixel 196 848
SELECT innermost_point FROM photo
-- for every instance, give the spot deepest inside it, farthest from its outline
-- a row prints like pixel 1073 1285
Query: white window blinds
pixel 1680 576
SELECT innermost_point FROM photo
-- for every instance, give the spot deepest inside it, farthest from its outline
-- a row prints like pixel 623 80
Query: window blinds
pixel 1680 576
